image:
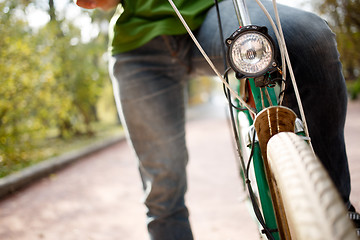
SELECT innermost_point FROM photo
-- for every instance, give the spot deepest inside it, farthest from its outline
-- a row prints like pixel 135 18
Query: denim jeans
pixel 149 88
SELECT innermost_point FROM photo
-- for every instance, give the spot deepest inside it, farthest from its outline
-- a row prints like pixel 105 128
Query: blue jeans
pixel 149 88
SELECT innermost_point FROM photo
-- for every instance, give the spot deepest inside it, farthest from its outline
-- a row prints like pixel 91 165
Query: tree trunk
pixel 52 10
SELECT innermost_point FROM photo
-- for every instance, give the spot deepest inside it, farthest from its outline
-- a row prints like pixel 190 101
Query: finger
pixel 88 4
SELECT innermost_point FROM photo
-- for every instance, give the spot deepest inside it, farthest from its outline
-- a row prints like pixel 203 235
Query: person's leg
pixel 317 68
pixel 149 91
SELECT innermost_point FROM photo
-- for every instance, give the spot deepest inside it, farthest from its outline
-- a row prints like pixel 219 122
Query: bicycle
pixel 295 198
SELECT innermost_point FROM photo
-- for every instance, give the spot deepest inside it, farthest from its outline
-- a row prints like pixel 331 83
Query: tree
pixel 26 83
pixel 50 82
pixel 344 19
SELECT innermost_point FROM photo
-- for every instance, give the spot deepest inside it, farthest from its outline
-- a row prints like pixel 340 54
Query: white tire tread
pixel 313 207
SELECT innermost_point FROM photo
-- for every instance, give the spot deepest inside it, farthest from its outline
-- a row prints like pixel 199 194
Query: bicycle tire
pixel 312 205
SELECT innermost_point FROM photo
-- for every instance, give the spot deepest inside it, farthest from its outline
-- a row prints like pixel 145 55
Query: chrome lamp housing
pixel 251 51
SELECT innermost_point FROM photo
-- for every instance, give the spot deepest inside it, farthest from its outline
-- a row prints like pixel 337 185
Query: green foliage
pixel 344 19
pixel 23 76
pixel 79 70
pixel 51 83
pixel 354 88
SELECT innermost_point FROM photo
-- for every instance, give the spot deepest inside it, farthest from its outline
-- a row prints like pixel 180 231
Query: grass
pixel 53 146
pixel 353 88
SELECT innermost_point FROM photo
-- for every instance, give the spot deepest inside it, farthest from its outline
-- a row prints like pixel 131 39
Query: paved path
pixel 352 138
pixel 99 197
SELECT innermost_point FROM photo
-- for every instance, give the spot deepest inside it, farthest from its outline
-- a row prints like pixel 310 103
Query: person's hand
pixel 88 4
pixel 91 4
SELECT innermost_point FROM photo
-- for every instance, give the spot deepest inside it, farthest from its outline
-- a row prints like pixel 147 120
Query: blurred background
pixel 55 92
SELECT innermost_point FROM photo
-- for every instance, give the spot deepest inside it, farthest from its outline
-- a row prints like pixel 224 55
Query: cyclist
pixel 152 57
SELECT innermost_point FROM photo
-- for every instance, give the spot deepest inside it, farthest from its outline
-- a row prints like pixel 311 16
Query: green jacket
pixel 136 22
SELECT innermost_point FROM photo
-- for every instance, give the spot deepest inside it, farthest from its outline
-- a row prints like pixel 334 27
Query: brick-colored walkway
pixel 352 137
pixel 100 197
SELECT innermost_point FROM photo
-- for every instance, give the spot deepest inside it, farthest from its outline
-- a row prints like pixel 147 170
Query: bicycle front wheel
pixel 312 205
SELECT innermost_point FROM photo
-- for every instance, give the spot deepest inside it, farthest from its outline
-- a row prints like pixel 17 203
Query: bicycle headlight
pixel 251 51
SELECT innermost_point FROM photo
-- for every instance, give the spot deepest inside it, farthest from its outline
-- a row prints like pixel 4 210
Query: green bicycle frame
pixel 259 169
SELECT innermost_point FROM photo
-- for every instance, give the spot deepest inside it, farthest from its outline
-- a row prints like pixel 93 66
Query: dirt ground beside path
pixel 100 196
